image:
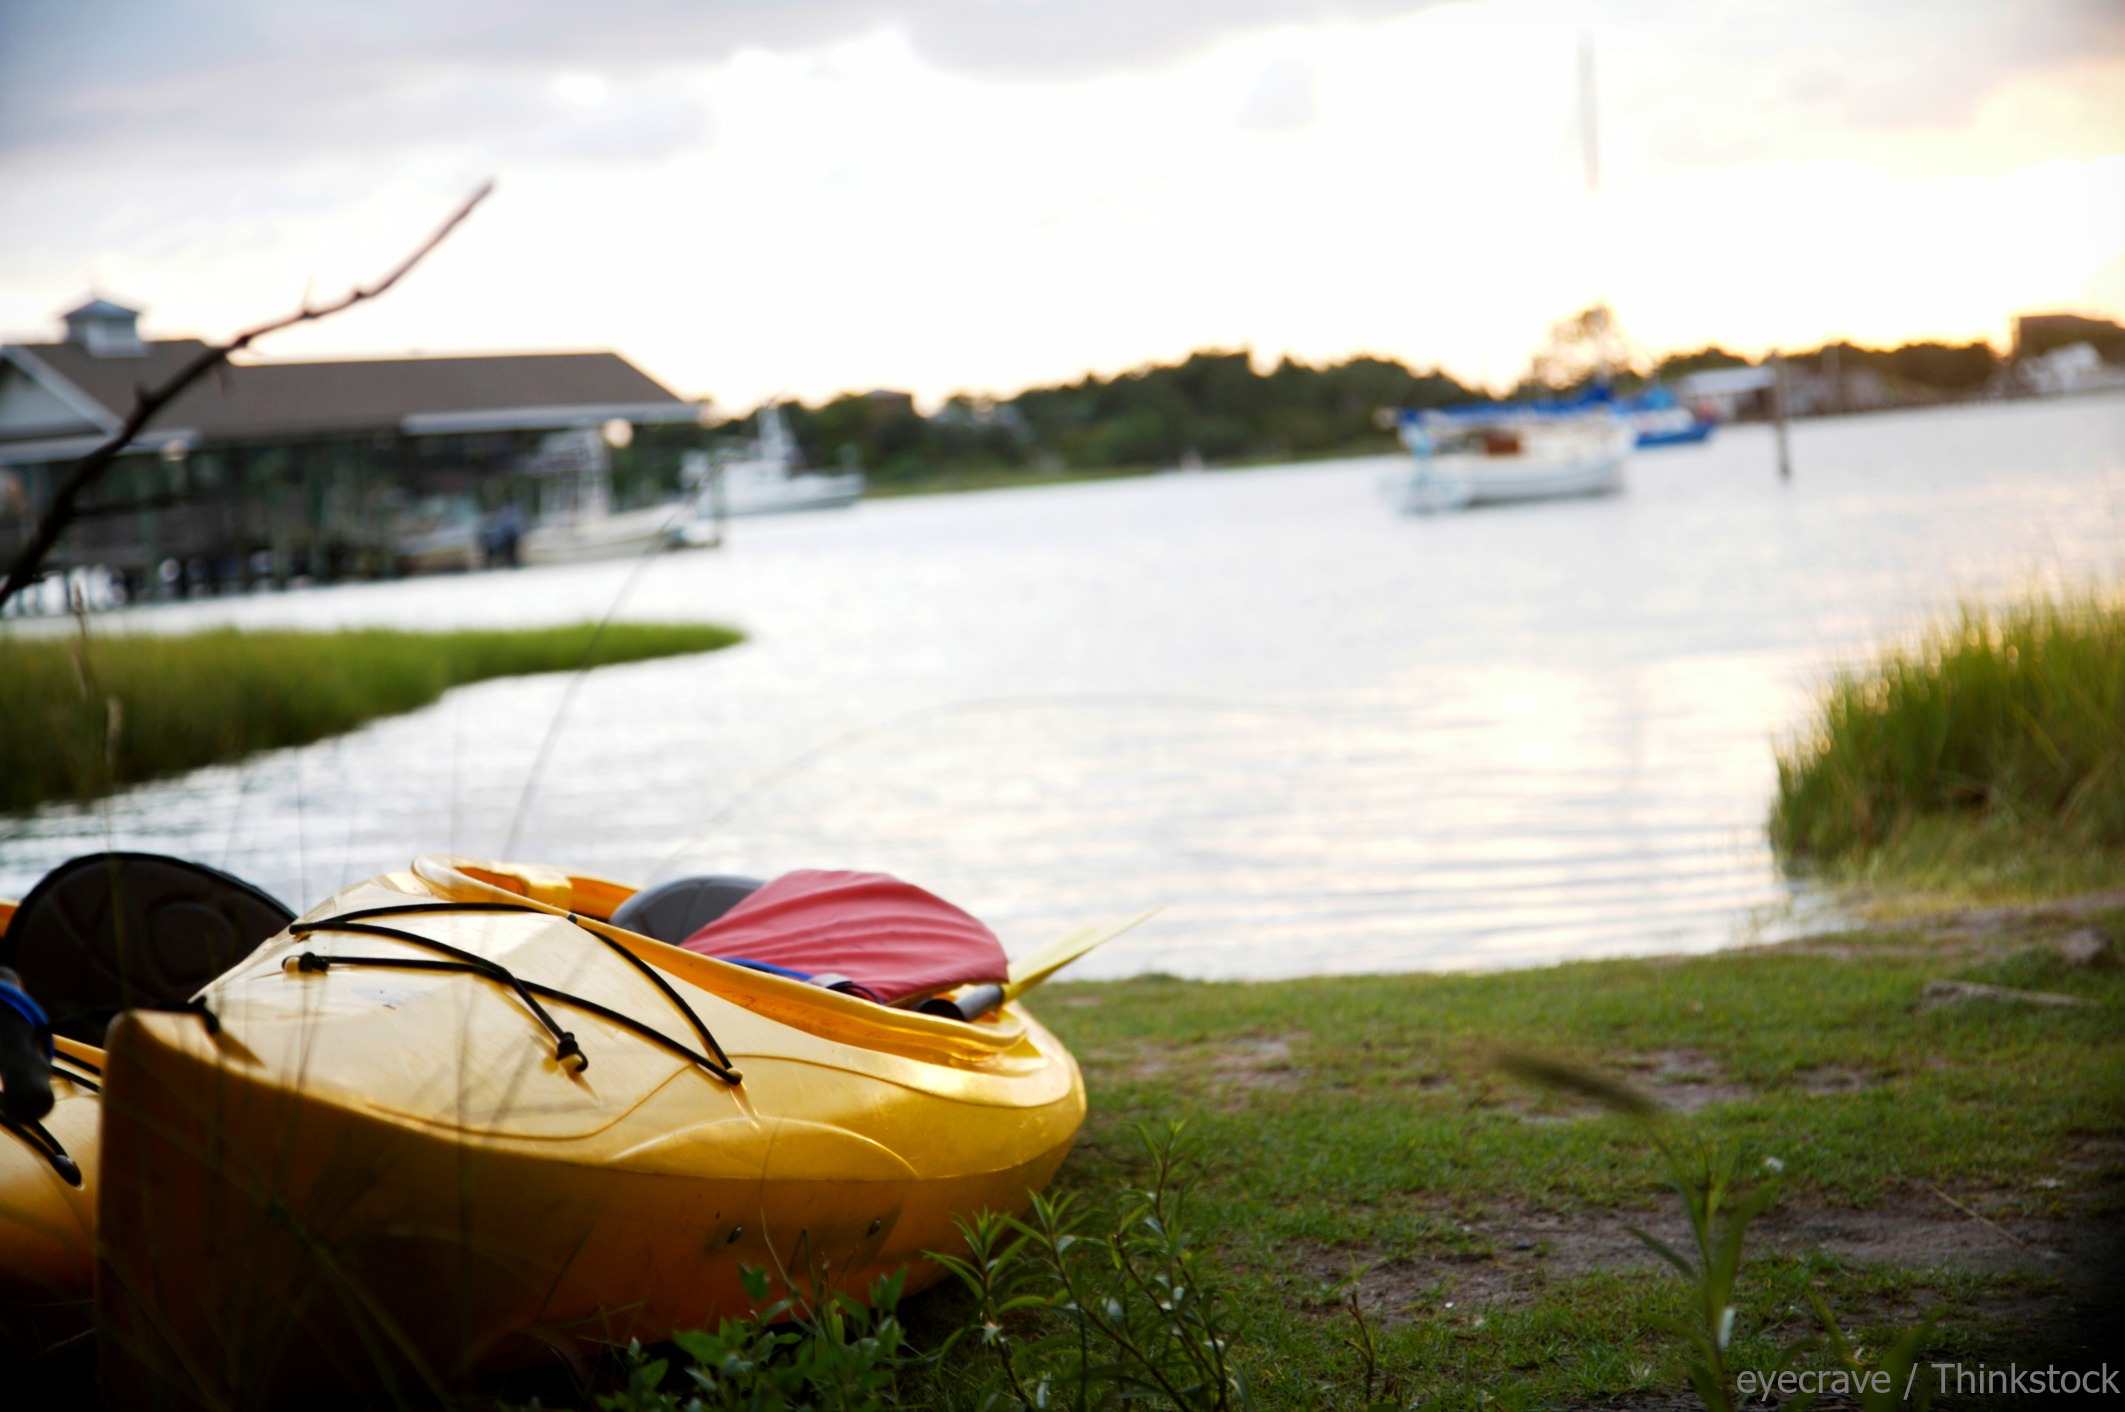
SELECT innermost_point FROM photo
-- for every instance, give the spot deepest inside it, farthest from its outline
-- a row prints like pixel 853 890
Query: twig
pixel 61 513
pixel 1979 1216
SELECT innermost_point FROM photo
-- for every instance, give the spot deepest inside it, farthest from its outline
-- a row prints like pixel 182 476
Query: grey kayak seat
pixel 111 930
pixel 671 912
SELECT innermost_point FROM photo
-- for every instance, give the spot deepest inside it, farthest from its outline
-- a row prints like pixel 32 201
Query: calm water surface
pixel 1324 736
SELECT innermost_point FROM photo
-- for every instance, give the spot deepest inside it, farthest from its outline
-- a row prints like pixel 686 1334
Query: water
pixel 1326 737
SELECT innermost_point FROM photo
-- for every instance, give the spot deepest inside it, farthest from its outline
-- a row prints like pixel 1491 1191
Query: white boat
pixel 770 479
pixel 576 519
pixel 438 534
pixel 608 536
pixel 1507 452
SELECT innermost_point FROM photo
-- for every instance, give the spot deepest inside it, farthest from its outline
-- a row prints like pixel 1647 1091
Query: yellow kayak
pixel 452 1120
pixel 98 933
pixel 47 1213
pixel 48 1210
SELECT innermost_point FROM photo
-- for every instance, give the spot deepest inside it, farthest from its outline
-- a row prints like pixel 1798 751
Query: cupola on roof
pixel 105 329
pixel 101 309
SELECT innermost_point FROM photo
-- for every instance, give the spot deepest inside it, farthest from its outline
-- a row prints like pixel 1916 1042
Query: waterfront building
pixel 269 470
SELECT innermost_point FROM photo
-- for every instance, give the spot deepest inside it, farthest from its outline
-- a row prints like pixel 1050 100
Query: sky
pixel 755 198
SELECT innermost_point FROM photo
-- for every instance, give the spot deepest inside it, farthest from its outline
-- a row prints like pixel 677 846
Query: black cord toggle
pixel 568 1049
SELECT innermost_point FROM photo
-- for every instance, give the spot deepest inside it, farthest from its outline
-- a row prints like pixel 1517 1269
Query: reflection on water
pixel 1326 737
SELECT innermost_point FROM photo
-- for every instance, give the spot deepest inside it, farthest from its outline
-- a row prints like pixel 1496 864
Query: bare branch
pixel 148 402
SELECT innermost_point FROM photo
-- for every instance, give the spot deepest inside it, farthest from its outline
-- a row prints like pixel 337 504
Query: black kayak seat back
pixel 110 930
pixel 671 912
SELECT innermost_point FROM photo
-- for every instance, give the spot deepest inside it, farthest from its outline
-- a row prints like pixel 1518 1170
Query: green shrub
pixel 794 1355
pixel 2009 724
pixel 1080 1314
pixel 80 717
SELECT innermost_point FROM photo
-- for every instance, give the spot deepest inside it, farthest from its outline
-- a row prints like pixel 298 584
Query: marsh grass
pixel 1984 755
pixel 82 716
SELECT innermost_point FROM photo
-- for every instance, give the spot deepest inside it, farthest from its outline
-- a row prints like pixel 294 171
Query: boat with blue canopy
pixel 1498 452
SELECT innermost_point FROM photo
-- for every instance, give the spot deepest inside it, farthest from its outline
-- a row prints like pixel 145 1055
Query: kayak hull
pixel 279 1218
pixel 283 1245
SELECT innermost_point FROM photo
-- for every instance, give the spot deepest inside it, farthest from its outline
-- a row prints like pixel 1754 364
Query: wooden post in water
pixel 1778 414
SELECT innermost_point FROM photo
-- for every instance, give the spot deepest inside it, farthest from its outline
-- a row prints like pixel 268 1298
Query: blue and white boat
pixel 1660 419
pixel 1496 452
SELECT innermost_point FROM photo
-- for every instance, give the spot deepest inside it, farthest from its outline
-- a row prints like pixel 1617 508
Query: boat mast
pixel 1602 322
pixel 777 447
pixel 1589 116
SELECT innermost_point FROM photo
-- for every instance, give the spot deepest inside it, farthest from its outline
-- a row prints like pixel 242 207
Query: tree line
pixel 1212 406
pixel 1216 407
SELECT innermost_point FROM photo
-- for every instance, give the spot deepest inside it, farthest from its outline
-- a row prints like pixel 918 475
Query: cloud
pixel 1282 100
pixel 1747 79
pixel 83 79
pixel 238 72
pixel 227 94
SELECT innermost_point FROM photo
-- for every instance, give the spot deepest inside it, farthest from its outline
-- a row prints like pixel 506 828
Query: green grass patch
pixel 86 716
pixel 1984 757
pixel 1363 1120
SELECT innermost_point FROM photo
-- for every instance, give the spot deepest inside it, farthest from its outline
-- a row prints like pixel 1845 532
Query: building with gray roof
pixel 301 467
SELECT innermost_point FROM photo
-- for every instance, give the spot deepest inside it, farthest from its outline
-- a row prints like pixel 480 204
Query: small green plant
pixel 1378 1390
pixel 1720 1204
pixel 1885 1384
pixel 1715 1198
pixel 828 1353
pixel 1720 1209
pixel 1084 1314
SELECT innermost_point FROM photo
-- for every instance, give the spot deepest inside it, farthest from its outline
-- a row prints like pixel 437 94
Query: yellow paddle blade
pixel 1030 970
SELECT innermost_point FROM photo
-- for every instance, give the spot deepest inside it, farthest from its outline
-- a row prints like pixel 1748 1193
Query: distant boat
pixel 439 534
pixel 1660 419
pixel 571 541
pixel 576 519
pixel 769 479
pixel 1498 452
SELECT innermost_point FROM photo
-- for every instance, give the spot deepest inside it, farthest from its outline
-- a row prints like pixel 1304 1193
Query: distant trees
pixel 1945 368
pixel 1212 404
pixel 1704 360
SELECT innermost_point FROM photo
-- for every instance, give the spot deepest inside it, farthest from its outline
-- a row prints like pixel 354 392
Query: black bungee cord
pixel 566 1048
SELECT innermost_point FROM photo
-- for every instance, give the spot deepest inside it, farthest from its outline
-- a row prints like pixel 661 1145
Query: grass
pixel 1984 757
pixel 86 716
pixel 1364 1120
